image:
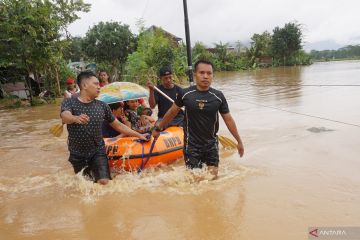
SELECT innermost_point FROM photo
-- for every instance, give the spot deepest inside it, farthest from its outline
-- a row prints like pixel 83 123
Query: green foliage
pixel 260 46
pixel 31 32
pixel 9 102
pixel 223 58
pixel 62 72
pixel 302 58
pixel 286 42
pixel 104 66
pixel 347 52
pixel 199 51
pixel 73 51
pixel 154 50
pixel 36 101
pixel 109 43
pixel 180 61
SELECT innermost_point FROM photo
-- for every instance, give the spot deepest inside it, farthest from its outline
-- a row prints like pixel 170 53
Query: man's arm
pixel 122 128
pixel 152 101
pixel 68 118
pixel 169 115
pixel 231 125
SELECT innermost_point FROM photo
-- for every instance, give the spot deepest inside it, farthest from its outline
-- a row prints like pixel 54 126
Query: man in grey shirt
pixel 84 116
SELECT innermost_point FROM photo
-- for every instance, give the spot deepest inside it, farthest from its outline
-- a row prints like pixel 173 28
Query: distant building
pixel 174 39
pixel 265 61
pixel 16 89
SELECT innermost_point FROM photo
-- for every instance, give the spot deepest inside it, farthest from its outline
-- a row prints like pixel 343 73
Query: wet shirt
pixel 86 139
pixel 164 104
pixel 201 122
pixel 108 131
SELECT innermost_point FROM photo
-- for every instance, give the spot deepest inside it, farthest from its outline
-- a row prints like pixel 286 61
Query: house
pixel 174 39
pixel 16 89
pixel 265 61
pixel 228 50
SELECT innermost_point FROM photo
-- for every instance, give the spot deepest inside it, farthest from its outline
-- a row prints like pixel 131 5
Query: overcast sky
pixel 326 23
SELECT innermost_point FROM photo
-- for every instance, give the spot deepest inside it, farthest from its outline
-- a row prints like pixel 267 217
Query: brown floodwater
pixel 301 130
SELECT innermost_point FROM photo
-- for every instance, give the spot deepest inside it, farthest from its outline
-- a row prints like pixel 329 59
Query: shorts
pixel 196 156
pixel 95 166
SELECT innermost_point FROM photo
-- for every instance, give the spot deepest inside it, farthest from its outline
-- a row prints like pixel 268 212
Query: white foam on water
pixel 171 179
pixel 24 184
pixel 168 180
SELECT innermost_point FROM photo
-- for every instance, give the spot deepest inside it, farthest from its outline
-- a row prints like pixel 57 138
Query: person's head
pixel 117 109
pixel 89 84
pixel 104 77
pixel 132 104
pixel 204 74
pixel 166 76
pixel 71 87
pixel 70 81
pixel 146 111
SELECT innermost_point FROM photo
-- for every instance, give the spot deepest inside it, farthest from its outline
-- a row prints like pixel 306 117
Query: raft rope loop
pixel 143 163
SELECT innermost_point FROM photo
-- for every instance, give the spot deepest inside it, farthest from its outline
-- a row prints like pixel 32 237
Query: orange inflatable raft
pixel 130 154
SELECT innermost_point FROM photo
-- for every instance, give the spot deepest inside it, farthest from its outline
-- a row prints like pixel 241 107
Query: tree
pixel 347 52
pixel 31 34
pixel 154 50
pixel 224 59
pixel 74 51
pixel 261 44
pixel 199 51
pixel 109 42
pixel 286 42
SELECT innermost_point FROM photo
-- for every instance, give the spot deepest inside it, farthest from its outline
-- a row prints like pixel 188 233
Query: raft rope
pixel 142 155
pixel 143 164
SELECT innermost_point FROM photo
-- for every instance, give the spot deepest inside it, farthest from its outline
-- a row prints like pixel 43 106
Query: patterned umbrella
pixel 122 91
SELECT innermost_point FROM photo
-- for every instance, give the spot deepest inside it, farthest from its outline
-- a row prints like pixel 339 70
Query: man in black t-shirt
pixel 170 89
pixel 84 116
pixel 202 104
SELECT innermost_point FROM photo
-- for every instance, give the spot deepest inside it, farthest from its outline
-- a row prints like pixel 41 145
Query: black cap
pixel 165 70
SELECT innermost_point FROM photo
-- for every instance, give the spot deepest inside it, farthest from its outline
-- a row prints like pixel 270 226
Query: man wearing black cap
pixel 170 89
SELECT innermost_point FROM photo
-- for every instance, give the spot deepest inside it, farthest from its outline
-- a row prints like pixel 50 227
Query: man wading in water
pixel 201 123
pixel 84 117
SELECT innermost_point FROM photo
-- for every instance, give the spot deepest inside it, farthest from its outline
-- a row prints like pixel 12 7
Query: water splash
pixel 171 179
pixel 168 180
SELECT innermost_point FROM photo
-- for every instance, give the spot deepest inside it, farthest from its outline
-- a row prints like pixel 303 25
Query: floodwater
pixel 300 127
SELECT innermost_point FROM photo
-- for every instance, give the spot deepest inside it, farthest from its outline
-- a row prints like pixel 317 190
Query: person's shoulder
pixel 189 89
pixel 178 87
pixel 218 94
pixel 215 91
pixel 160 86
pixel 67 100
pixel 101 103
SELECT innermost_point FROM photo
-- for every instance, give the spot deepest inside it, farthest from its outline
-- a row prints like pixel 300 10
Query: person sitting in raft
pixel 146 114
pixel 70 90
pixel 141 123
pixel 117 110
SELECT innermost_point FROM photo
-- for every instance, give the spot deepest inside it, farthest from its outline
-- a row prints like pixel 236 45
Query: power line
pixel 304 114
pixel 145 8
pixel 300 85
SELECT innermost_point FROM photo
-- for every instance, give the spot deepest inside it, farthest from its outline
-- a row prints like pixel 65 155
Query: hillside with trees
pixel 350 52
